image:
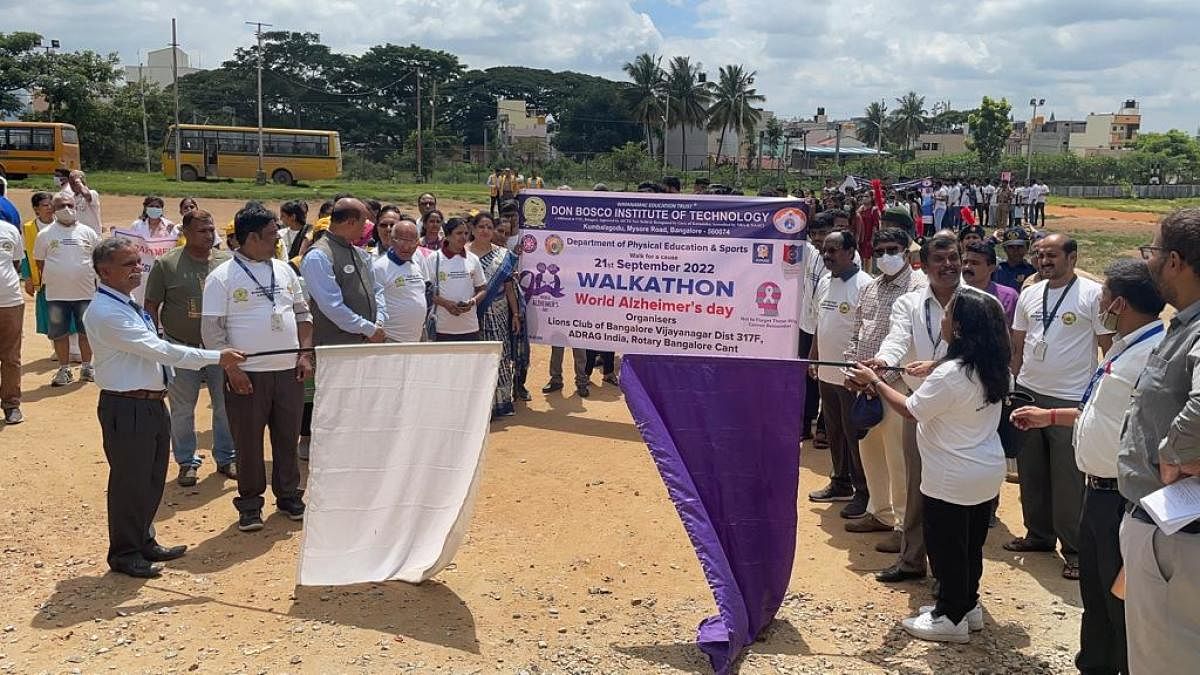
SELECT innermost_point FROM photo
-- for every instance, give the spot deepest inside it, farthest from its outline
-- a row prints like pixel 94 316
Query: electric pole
pixel 260 176
pixel 420 173
pixel 145 127
pixel 175 91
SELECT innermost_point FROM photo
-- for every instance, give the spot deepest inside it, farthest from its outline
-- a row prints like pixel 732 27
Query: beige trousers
pixel 882 453
pixel 1162 599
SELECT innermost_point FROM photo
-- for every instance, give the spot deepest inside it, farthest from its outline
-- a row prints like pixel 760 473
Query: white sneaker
pixel 87 373
pixel 940 629
pixel 974 617
pixel 62 378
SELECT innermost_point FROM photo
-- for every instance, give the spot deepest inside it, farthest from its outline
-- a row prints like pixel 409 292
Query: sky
pixel 1082 56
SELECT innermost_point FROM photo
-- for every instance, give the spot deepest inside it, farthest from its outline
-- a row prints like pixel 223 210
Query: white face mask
pixel 154 212
pixel 65 216
pixel 891 264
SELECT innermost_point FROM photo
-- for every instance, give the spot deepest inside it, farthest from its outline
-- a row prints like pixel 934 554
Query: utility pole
pixel 420 173
pixel 666 130
pixel 175 91
pixel 145 127
pixel 260 176
pixel 1035 102
pixel 837 151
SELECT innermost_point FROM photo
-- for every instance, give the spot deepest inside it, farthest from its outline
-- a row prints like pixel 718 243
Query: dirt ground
pixel 575 562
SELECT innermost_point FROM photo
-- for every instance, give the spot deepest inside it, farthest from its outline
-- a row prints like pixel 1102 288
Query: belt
pixel 1140 514
pixel 1105 484
pixel 143 394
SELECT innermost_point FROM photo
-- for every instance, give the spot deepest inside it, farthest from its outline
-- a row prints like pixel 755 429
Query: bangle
pixel 876 382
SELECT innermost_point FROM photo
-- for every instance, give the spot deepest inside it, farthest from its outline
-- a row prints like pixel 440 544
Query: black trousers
pixel 1102 632
pixel 843 439
pixel 137 445
pixel 276 405
pixel 812 393
pixel 607 360
pixel 954 538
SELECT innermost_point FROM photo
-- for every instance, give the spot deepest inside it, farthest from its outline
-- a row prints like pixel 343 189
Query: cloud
pixel 1081 55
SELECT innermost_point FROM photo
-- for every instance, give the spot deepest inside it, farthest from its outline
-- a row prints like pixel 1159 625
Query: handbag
pixel 1012 438
pixel 431 312
pixel 865 412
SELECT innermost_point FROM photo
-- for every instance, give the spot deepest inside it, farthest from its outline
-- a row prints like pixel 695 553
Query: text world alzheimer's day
pixel 642 273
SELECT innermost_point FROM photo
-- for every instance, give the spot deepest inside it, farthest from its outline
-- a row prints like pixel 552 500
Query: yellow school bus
pixel 289 155
pixel 37 148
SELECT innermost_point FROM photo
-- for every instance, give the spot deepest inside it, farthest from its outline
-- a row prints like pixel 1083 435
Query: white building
pixel 157 68
pixel 1108 133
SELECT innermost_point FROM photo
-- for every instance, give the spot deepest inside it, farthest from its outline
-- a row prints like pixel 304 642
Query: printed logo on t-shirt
pixel 241 295
pixel 7 247
pixel 399 283
pixel 1069 318
pixel 844 308
pixel 56 243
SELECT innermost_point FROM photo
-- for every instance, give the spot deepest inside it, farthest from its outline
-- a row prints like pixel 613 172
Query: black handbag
pixel 1012 438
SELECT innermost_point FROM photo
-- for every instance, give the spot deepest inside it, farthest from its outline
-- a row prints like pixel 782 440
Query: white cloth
pixel 12 251
pixel 399 432
pixel 455 279
pixel 128 355
pixel 1070 357
pixel 87 211
pixel 404 293
pixel 231 293
pixel 1043 190
pixel 989 193
pixel 836 301
pixel 907 339
pixel 962 461
pixel 166 229
pixel 67 252
pixel 1098 428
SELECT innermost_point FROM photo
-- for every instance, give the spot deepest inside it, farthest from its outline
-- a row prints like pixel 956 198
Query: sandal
pixel 1071 571
pixel 1027 545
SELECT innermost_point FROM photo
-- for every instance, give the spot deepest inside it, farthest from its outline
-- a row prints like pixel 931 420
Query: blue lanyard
pixel 936 342
pixel 1106 367
pixel 271 293
pixel 130 303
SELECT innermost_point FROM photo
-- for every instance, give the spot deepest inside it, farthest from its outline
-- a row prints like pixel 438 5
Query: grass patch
pixel 1126 205
pixel 1098 249
pixel 142 184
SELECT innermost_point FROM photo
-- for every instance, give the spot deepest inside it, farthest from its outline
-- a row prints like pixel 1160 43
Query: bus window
pixel 19 139
pixel 43 139
pixel 70 136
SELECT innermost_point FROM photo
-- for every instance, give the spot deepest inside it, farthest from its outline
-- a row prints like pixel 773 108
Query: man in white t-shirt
pixel 988 212
pixel 1056 331
pixel 63 254
pixel 12 319
pixel 941 202
pixel 837 299
pixel 254 303
pixel 1038 217
pixel 953 199
pixel 401 273
pixel 86 200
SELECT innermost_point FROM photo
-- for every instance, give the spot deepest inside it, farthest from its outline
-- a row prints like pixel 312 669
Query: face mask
pixel 1108 318
pixel 891 264
pixel 65 216
pixel 154 212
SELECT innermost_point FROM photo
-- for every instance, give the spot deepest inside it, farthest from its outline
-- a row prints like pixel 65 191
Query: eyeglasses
pixel 1148 251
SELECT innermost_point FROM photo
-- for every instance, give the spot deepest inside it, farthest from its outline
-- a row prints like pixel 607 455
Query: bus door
pixel 210 158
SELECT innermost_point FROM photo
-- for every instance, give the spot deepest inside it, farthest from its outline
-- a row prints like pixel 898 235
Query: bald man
pixel 348 304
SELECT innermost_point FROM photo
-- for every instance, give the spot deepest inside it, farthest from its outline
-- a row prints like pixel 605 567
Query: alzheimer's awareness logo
pixel 544 281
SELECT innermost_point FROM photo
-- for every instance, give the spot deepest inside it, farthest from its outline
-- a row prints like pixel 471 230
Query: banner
pixel 150 249
pixel 398 438
pixel 663 273
pixel 725 435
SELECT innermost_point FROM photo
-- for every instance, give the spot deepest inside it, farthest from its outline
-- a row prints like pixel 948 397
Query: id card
pixel 194 308
pixel 277 321
pixel 1039 350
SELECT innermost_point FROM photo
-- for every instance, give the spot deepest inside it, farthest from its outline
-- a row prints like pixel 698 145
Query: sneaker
pixel 974 617
pixel 87 373
pixel 522 394
pixel 228 470
pixel 611 378
pixel 13 416
pixel 187 476
pixel 831 493
pixel 583 391
pixel 926 626
pixel 868 523
pixel 250 521
pixel 302 448
pixel 857 508
pixel 62 378
pixel 552 387
pixel 292 506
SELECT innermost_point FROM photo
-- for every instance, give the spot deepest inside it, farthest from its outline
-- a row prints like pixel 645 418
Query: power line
pixel 356 94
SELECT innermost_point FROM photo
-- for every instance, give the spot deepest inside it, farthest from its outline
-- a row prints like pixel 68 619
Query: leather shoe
pixel 140 570
pixel 895 574
pixel 552 387
pixel 889 545
pixel 158 553
pixel 868 524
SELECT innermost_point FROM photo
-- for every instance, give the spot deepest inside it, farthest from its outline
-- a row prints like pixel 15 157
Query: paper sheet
pixel 1175 505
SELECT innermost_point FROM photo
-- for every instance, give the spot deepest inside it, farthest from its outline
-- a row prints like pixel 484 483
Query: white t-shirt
pixel 404 295
pixel 954 195
pixel 12 250
pixel 941 197
pixel 455 279
pixel 232 293
pixel 67 252
pixel 1070 344
pixel 87 211
pixel 166 229
pixel 1043 190
pixel 989 193
pixel 814 268
pixel 962 461
pixel 836 302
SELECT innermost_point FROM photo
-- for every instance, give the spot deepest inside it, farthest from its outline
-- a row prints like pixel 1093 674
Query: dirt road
pixel 575 563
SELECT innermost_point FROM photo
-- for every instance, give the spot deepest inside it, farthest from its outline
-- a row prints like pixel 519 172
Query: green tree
pixel 1173 143
pixel 732 100
pixel 990 129
pixel 643 93
pixel 689 98
pixel 910 118
pixel 629 161
pixel 595 122
pixel 872 131
pixel 19 65
pixel 773 138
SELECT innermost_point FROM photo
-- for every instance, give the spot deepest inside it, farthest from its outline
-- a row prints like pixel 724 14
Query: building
pixel 688 148
pixel 821 138
pixel 940 145
pixel 1054 137
pixel 157 68
pixel 522 128
pixel 1107 133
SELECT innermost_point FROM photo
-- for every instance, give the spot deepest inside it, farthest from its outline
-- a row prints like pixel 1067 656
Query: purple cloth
pixel 1007 297
pixel 725 434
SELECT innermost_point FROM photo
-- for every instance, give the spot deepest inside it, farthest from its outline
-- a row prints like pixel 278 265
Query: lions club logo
pixel 534 210
pixel 399 283
pixel 1069 319
pixel 790 221
pixel 554 244
pixel 240 295
pixel 7 247
pixel 844 308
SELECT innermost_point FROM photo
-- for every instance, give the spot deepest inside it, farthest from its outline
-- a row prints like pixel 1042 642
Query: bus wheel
pixel 188 173
pixel 282 176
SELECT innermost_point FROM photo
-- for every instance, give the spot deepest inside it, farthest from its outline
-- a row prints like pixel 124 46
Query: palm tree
pixel 643 93
pixel 910 117
pixel 731 107
pixel 876 117
pixel 688 97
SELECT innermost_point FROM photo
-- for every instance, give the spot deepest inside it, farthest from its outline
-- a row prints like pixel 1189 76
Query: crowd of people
pixel 938 367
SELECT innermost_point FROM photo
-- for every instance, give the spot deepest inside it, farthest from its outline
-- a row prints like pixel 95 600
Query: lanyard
pixel 1106 367
pixel 1048 318
pixel 935 341
pixel 269 293
pixel 130 303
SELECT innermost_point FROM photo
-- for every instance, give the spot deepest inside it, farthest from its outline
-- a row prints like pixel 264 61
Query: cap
pixel 898 215
pixel 1015 236
pixel 972 229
